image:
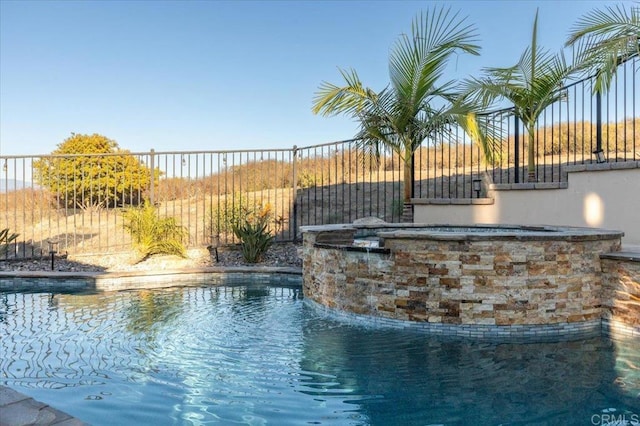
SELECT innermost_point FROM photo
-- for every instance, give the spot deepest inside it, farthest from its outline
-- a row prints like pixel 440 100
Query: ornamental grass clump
pixel 252 229
pixel 6 238
pixel 152 234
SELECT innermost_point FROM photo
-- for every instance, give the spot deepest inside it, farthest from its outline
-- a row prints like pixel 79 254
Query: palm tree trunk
pixel 407 210
pixel 531 156
pixel 407 181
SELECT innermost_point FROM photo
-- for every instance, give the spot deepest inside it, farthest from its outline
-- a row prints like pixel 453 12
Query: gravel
pixel 280 254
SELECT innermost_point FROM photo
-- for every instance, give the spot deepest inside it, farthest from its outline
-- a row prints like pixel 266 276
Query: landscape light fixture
pixel 52 250
pixel 477 186
pixel 600 158
pixel 215 243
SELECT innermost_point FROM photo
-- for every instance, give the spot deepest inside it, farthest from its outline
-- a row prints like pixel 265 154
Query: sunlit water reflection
pixel 256 354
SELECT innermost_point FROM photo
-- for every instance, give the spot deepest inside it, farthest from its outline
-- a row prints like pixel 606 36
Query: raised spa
pixel 491 280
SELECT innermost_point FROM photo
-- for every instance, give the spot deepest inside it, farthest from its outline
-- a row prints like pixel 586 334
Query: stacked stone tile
pixel 543 277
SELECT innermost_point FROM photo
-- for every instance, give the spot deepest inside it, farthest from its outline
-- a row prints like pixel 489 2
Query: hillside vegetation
pixel 336 183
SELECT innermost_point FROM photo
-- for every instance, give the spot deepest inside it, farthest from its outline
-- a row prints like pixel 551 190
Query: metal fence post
pixel 516 148
pixel 413 174
pixel 598 121
pixel 152 184
pixel 294 189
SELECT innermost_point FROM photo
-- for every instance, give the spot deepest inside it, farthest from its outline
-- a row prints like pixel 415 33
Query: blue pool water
pixel 257 354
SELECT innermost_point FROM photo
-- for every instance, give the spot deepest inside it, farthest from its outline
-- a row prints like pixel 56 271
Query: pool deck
pixel 17 409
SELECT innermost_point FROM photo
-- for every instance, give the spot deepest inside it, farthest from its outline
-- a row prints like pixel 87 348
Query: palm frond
pixel 603 39
pixel 531 85
pixel 485 134
pixel 417 62
pixel 612 22
pixel 349 99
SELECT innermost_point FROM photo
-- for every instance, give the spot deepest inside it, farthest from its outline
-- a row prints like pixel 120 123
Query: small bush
pixel 6 239
pixel 307 179
pixel 152 234
pixel 225 213
pixel 253 232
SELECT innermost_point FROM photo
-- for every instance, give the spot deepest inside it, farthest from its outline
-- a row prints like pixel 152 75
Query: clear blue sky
pixel 216 75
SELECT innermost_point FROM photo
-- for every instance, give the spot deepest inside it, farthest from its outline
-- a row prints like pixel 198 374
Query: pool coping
pixel 137 280
pixel 20 409
pixel 141 273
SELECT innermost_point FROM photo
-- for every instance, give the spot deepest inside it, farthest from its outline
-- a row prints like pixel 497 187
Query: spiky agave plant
pixel 252 229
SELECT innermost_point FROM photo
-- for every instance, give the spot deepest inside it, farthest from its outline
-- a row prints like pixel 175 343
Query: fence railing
pixel 75 203
pixel 567 133
pixel 78 201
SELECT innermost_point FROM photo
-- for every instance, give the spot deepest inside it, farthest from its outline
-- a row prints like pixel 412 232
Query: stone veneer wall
pixel 494 282
pixel 621 294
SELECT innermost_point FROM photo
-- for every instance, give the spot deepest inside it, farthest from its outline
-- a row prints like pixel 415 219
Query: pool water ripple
pixel 256 354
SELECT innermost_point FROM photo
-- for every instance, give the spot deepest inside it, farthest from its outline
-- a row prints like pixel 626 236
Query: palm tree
pixel 415 105
pixel 531 85
pixel 605 39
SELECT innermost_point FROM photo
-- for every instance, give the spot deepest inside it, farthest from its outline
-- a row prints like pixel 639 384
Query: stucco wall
pixel 600 196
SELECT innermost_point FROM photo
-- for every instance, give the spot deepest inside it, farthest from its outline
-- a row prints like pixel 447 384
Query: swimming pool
pixel 257 354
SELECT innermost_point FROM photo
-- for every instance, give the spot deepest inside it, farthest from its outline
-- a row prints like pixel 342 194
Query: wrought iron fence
pixel 75 203
pixel 339 182
pixel 567 133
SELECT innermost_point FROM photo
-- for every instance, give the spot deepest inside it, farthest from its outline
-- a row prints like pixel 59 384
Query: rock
pixel 279 254
pixel 369 220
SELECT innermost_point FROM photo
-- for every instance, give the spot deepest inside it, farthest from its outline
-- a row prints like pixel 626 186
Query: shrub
pixel 153 234
pixel 6 239
pixel 225 213
pixel 88 171
pixel 307 179
pixel 252 229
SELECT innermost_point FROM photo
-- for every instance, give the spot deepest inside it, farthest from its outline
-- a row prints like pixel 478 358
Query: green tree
pixel 92 171
pixel 417 105
pixel 605 38
pixel 532 85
